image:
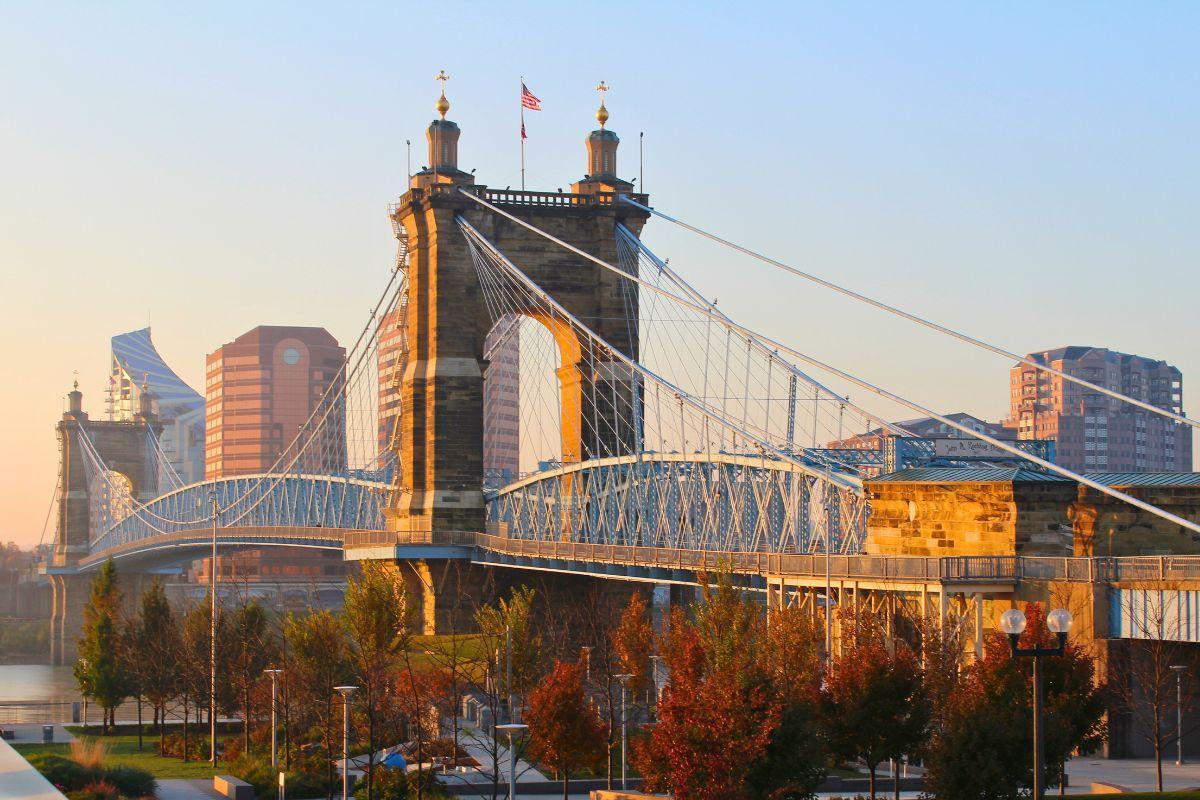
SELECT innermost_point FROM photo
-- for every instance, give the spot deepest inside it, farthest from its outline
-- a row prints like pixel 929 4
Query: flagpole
pixel 522 96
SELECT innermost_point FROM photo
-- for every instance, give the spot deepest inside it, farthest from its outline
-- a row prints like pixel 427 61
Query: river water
pixel 41 693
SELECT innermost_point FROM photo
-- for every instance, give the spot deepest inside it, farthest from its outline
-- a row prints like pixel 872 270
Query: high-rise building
pixel 1094 432
pixel 502 402
pixel 391 356
pixel 262 388
pixel 180 408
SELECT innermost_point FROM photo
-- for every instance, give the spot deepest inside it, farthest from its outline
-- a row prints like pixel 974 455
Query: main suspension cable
pixel 808 276
pixel 882 392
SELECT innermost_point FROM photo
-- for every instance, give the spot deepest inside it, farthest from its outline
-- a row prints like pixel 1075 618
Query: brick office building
pixel 1096 433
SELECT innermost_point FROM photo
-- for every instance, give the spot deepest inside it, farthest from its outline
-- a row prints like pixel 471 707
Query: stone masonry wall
pixel 969 519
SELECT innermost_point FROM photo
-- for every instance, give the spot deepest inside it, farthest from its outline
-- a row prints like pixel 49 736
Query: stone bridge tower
pixel 441 437
pixel 439 501
pixel 124 449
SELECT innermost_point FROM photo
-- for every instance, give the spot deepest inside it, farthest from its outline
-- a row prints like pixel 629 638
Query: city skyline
pixel 1075 164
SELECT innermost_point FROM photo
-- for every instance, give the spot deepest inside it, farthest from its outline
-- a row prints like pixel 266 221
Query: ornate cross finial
pixel 75 372
pixel 602 112
pixel 442 105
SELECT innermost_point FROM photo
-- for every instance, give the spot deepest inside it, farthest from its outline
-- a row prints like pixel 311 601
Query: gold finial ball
pixel 442 105
pixel 602 114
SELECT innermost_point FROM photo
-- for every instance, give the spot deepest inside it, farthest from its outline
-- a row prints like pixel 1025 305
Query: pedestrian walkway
pixel 187 789
pixel 19 781
pixel 1137 774
pixel 29 732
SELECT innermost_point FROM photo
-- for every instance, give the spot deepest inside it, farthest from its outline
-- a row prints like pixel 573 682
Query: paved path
pixel 30 733
pixel 19 781
pixel 1134 773
pixel 187 789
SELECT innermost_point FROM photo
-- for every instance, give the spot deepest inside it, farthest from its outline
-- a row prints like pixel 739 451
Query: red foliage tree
pixel 565 732
pixel 716 719
pixel 874 703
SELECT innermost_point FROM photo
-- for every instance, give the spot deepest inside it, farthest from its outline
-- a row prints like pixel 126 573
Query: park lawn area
pixel 122 751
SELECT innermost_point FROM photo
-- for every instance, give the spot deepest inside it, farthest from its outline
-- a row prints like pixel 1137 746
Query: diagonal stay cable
pixel 842 481
pixel 879 390
pixel 808 276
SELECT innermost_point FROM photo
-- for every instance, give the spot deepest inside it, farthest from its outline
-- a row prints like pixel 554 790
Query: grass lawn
pixel 122 751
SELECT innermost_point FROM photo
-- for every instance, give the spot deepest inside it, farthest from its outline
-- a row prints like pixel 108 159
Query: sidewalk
pixel 1133 773
pixel 31 732
pixel 19 781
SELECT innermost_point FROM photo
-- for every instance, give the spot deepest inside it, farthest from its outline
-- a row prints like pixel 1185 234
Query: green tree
pixel 511 620
pixel 983 749
pixel 252 649
pixel 565 732
pixel 159 644
pixel 319 660
pixel 99 671
pixel 379 621
pixel 196 663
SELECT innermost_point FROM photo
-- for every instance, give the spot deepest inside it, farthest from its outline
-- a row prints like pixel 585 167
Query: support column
pixel 978 626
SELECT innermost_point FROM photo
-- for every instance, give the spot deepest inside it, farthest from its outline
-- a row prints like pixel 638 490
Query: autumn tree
pixel 714 722
pixel 719 710
pixel 633 641
pixel 99 671
pixel 874 704
pixel 565 732
pixel 793 765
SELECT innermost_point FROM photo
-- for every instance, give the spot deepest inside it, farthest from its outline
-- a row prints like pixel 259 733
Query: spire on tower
pixel 442 136
pixel 442 105
pixel 602 112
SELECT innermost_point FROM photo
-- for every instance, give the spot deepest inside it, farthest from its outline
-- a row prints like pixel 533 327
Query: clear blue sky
pixel 1026 171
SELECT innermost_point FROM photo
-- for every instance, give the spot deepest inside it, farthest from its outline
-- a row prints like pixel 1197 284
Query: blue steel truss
pixel 705 501
pixel 259 501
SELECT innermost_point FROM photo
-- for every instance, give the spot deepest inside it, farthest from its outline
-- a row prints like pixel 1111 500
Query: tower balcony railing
pixel 522 197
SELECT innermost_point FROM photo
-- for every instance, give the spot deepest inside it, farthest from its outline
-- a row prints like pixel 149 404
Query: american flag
pixel 528 100
pixel 523 136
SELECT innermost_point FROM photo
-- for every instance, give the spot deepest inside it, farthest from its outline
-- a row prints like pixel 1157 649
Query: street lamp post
pixel 274 673
pixel 345 691
pixel 1058 621
pixel 512 729
pixel 212 637
pixel 1178 670
pixel 624 679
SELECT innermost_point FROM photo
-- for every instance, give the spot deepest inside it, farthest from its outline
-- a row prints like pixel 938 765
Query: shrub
pixel 306 778
pixel 97 790
pixel 131 781
pixel 394 784
pixel 197 746
pixel 62 771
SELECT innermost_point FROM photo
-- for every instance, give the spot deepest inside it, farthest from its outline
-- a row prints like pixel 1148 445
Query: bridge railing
pixel 841 567
pixel 1113 569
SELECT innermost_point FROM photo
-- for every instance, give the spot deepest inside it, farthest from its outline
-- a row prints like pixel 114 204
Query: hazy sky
pixel 1028 172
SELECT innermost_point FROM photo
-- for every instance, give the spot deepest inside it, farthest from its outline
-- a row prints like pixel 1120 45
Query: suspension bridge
pixel 659 437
